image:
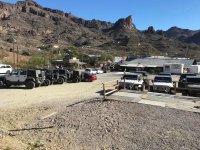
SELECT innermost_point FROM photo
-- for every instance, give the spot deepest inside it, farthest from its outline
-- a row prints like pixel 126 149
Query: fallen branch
pixel 27 129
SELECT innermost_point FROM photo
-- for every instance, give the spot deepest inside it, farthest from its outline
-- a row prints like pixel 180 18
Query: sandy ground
pixel 66 93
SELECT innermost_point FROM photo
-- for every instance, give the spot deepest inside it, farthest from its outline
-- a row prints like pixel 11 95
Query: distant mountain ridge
pixel 180 34
pixel 34 26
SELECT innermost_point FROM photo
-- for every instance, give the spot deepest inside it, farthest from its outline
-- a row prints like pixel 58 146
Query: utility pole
pixel 187 51
pixel 17 57
pixel 13 53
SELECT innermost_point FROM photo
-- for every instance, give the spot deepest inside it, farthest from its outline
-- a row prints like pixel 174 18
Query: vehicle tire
pixel 37 85
pixel 151 89
pixel 30 85
pixel 1 84
pixel 60 81
pixel 7 85
pixel 131 87
pixel 184 93
pixel 75 80
pixel 47 82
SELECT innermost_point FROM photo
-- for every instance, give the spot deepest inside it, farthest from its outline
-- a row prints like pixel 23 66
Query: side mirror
pixel 121 78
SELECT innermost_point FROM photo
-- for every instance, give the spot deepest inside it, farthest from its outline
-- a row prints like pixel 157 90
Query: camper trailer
pixel 173 68
pixel 194 69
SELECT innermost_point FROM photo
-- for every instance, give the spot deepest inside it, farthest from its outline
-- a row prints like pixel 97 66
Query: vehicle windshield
pixel 193 80
pixel 163 79
pixel 87 70
pixel 130 77
pixel 165 74
pixel 141 72
pixel 185 75
pixel 62 72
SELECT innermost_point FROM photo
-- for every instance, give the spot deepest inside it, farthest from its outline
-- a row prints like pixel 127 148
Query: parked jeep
pixel 52 76
pixel 162 84
pixel 29 78
pixel 191 86
pixel 63 75
pixel 132 81
pixel 78 76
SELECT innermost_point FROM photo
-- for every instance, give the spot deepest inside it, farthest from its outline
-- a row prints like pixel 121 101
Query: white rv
pixel 173 68
pixel 194 69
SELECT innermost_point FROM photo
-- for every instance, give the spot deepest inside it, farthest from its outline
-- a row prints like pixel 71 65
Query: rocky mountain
pixel 179 34
pixel 194 38
pixel 34 26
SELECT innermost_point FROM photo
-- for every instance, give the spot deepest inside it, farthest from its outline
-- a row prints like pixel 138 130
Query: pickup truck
pixel 132 81
pixel 191 86
pixel 162 84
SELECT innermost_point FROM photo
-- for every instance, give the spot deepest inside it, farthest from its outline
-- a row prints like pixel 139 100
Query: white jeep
pixel 29 78
pixel 162 84
pixel 4 69
pixel 132 81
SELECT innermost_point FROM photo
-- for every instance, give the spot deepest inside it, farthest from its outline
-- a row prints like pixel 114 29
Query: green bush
pixel 106 57
pixel 37 62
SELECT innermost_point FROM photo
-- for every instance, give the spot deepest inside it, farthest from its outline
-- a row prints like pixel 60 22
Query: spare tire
pixel 30 85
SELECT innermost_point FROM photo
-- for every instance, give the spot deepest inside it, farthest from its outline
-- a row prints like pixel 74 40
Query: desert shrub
pixel 106 57
pixel 37 62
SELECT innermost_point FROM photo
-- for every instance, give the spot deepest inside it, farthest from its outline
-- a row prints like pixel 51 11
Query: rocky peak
pixel 150 30
pixel 8 9
pixel 124 23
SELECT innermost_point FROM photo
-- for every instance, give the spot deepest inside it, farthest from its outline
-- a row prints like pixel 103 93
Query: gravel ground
pixel 114 125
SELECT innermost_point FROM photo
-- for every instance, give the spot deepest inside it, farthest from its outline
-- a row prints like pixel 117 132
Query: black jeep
pixel 29 78
pixel 58 76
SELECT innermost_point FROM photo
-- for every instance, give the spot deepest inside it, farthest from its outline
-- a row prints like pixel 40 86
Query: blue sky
pixel 162 14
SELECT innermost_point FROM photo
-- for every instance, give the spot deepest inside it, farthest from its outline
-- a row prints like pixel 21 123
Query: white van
pixel 4 68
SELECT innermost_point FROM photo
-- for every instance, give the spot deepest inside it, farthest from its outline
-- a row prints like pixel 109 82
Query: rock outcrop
pixel 124 23
pixel 8 9
pixel 150 30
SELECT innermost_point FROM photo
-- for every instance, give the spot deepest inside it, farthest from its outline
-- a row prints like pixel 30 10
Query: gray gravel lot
pixel 117 125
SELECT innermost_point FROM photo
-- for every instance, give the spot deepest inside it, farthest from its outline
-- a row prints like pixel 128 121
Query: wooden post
pixel 175 88
pixel 104 91
pixel 117 85
pixel 148 82
pixel 124 84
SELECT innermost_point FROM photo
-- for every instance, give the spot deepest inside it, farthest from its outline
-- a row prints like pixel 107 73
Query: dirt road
pixel 66 93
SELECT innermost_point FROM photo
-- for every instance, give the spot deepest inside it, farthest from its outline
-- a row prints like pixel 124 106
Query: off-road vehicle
pixel 29 78
pixel 191 87
pixel 52 76
pixel 132 81
pixel 182 79
pixel 162 84
pixel 62 74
